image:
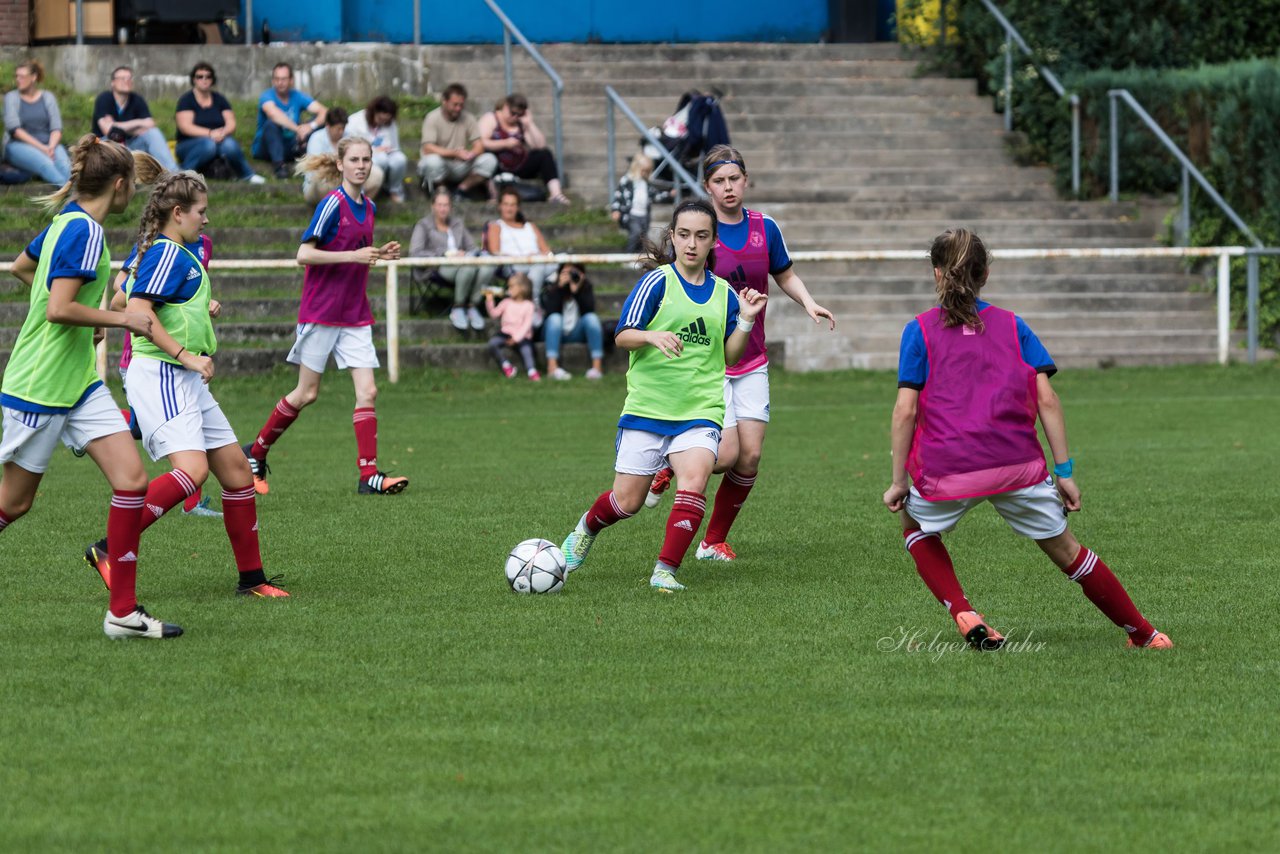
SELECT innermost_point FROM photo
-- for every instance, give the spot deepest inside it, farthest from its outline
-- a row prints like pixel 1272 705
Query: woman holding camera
pixel 570 308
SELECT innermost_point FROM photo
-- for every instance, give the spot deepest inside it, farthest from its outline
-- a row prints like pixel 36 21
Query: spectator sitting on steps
pixel 377 123
pixel 452 152
pixel 520 145
pixel 316 186
pixel 207 127
pixel 570 307
pixel 281 135
pixel 123 115
pixel 33 127
pixel 442 235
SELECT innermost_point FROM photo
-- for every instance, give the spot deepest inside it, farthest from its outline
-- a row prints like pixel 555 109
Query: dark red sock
pixel 124 527
pixel 732 494
pixel 4 520
pixel 1105 591
pixel 682 526
pixel 193 501
pixel 165 493
pixel 281 417
pixel 604 513
pixel 936 570
pixel 240 517
pixel 365 421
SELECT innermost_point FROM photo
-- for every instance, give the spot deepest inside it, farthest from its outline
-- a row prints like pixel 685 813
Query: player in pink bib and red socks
pixel 972 380
pixel 335 319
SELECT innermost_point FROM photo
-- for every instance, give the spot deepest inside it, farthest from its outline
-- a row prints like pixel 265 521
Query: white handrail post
pixel 1224 308
pixel 393 321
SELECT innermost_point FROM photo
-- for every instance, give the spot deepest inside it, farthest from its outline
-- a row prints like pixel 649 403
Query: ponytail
pixel 172 190
pixel 962 261
pixel 96 164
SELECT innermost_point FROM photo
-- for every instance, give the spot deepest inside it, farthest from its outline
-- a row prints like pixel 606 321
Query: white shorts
pixel 645 453
pixel 351 346
pixel 175 410
pixel 746 397
pixel 1033 511
pixel 31 437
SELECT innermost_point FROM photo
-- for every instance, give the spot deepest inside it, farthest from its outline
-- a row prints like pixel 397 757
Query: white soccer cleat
pixel 138 624
pixel 715 551
pixel 661 481
pixel 663 579
pixel 576 545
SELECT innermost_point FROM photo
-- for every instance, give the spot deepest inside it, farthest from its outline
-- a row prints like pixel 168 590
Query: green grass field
pixel 405 699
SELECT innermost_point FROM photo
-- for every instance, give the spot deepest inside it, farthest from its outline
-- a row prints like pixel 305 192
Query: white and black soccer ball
pixel 536 566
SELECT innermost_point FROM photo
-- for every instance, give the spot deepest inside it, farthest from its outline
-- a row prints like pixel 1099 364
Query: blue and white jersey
pixel 78 251
pixel 325 221
pixel 735 237
pixel 913 357
pixel 167 274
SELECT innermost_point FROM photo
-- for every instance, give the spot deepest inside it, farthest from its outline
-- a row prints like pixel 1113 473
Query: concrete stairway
pixel 849 149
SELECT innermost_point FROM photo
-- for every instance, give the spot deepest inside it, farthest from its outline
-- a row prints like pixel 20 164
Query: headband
pixel 737 163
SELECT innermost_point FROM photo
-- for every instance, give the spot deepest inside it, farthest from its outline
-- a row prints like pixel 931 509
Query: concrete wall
pixel 470 21
pixel 357 71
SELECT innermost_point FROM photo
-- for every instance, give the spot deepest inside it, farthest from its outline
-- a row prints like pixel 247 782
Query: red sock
pixel 365 420
pixel 732 494
pixel 124 526
pixel 164 493
pixel 240 517
pixel 281 417
pixel 604 513
pixel 936 570
pixel 682 526
pixel 193 501
pixel 1105 591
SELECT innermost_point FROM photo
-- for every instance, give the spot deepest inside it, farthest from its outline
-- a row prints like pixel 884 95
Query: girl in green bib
pixel 682 325
pixel 51 386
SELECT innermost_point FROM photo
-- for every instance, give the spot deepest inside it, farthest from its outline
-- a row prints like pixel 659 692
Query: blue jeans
pixel 199 152
pixel 152 141
pixel 275 146
pixel 587 330
pixel 30 159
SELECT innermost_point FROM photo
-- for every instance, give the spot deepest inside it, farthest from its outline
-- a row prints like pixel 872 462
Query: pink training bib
pixel 976 419
pixel 748 267
pixel 338 294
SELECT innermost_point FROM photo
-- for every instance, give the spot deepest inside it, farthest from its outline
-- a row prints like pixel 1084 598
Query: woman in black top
pixel 570 307
pixel 207 126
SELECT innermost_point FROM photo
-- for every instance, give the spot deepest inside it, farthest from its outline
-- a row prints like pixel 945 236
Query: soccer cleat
pixel 663 579
pixel 977 633
pixel 576 545
pixel 381 483
pixel 138 624
pixel 260 471
pixel 203 509
pixel 269 589
pixel 96 557
pixel 715 551
pixel 661 481
pixel 1158 641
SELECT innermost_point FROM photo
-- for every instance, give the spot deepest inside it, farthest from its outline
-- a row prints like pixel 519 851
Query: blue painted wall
pixel 470 21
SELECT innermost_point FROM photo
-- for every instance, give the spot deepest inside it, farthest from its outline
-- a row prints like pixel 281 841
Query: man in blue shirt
pixel 282 134
pixel 122 114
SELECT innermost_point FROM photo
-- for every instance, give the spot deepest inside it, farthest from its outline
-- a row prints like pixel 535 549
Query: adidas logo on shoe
pixel 695 333
pixel 684 525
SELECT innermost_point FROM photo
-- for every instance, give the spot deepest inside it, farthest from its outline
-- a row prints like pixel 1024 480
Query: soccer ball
pixel 536 566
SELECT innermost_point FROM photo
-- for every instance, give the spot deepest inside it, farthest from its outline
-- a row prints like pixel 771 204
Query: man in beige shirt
pixel 451 149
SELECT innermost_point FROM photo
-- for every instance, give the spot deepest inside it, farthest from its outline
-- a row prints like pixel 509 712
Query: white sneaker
pixel 561 374
pixel 662 579
pixel 458 317
pixel 256 179
pixel 138 624
pixel 473 316
pixel 593 374
pixel 576 545
pixel 716 551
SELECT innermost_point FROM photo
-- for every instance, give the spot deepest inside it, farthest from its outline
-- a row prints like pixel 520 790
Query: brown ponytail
pixel 324 167
pixel 962 261
pixel 95 166
pixel 172 190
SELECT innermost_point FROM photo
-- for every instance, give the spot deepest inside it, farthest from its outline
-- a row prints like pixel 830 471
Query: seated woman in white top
pixel 377 123
pixel 512 235
pixel 335 128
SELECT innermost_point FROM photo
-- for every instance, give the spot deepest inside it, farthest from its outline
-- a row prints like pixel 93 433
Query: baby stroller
pixel 695 128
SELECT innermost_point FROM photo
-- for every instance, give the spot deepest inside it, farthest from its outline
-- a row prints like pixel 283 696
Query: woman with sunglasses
pixel 207 127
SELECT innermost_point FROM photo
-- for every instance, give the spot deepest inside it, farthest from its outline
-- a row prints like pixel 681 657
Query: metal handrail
pixel 557 84
pixel 1188 168
pixel 1012 37
pixel 612 99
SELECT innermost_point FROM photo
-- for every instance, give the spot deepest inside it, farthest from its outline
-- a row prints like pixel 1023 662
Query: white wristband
pixel 746 325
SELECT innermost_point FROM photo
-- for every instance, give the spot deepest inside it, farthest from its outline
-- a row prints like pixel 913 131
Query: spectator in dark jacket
pixel 570 308
pixel 123 115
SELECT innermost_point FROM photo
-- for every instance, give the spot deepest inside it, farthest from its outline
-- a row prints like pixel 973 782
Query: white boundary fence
pixel 1224 254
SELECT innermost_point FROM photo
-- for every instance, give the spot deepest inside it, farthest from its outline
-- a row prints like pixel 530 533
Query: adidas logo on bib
pixel 695 333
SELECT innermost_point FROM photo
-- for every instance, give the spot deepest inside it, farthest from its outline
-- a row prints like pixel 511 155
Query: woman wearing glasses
pixel 207 126
pixel 519 144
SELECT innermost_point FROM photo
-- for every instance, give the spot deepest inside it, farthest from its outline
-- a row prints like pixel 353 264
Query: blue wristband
pixel 1061 470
